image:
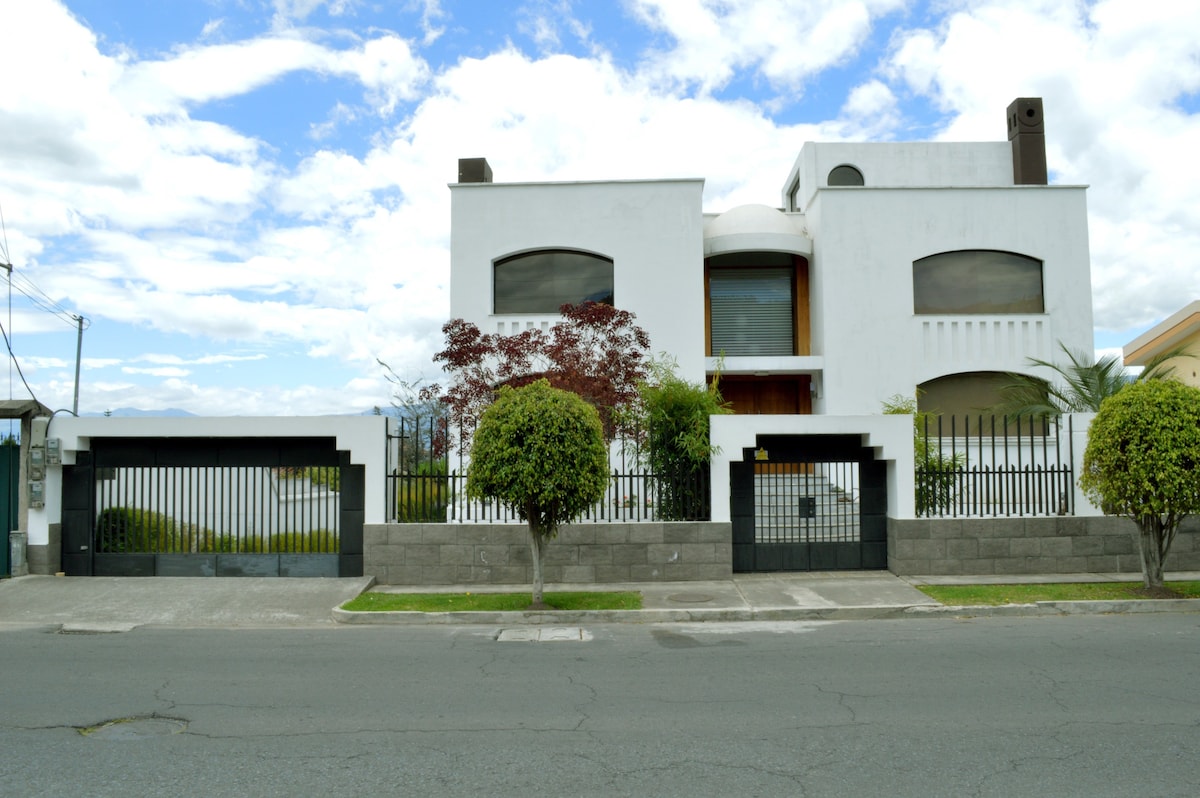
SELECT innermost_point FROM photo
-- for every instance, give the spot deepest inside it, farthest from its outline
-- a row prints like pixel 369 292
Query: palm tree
pixel 1081 387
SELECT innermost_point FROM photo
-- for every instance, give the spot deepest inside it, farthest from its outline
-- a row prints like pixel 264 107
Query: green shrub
pixel 423 496
pixel 328 476
pixel 936 473
pixel 125 530
pixel 422 499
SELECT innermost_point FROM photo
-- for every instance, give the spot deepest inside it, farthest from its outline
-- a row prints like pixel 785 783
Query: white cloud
pixel 187 226
pixel 157 371
pixel 1111 76
pixel 786 41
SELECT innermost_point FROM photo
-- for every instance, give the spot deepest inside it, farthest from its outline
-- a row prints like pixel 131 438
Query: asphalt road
pixel 1065 706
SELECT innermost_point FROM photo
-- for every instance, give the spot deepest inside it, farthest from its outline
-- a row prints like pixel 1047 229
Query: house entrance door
pixel 808 503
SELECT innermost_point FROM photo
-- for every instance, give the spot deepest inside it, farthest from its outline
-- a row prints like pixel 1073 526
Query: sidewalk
pixel 813 596
pixel 111 604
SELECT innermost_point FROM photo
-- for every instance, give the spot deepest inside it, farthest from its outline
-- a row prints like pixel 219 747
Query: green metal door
pixel 10 486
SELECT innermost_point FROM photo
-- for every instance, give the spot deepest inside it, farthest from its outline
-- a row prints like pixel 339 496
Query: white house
pixel 884 269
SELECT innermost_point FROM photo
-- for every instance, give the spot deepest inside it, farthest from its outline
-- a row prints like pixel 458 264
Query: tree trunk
pixel 535 549
pixel 1150 542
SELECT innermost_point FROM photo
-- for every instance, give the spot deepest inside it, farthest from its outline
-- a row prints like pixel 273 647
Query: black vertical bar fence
pixel 427 484
pixel 223 510
pixel 977 466
pixel 806 502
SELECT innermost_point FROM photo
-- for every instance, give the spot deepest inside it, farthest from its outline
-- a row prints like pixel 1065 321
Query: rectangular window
pixel 751 310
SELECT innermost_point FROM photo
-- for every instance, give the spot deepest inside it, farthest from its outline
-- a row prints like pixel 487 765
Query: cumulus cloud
pixel 1112 75
pixel 786 41
pixel 147 216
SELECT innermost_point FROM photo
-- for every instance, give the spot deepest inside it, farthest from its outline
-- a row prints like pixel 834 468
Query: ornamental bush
pixel 1143 461
pixel 541 452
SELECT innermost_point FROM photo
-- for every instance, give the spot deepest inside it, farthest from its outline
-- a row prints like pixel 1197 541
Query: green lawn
pixel 1027 594
pixel 490 602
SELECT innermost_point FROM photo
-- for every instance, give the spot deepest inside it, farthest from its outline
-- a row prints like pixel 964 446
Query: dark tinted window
pixel 845 175
pixel 977 281
pixel 544 281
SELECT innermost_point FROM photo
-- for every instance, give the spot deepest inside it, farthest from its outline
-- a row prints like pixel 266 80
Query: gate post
pixel 741 513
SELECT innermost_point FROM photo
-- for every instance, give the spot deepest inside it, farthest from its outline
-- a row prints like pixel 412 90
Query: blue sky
pixel 247 199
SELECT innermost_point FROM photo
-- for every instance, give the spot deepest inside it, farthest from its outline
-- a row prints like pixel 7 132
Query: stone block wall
pixel 1054 545
pixel 498 554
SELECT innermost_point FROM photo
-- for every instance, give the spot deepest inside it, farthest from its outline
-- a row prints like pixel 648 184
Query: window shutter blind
pixel 751 311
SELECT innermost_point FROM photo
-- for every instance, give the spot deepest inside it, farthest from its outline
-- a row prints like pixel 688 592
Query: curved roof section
pixel 756 228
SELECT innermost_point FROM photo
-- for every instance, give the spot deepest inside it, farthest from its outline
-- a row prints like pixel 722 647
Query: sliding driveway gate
pixel 213 507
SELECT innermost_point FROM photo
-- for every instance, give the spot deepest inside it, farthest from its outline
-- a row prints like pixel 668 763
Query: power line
pixel 13 359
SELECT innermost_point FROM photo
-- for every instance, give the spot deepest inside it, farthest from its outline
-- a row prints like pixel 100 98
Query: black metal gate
pixel 213 507
pixel 10 496
pixel 808 503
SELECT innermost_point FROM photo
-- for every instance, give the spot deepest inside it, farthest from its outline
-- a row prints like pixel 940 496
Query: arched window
pixel 977 281
pixel 958 403
pixel 966 394
pixel 845 175
pixel 545 280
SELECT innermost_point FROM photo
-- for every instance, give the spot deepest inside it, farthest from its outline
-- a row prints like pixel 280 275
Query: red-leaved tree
pixel 597 352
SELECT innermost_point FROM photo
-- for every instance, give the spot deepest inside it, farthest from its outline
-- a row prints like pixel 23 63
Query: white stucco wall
pixel 365 437
pixel 865 241
pixel 651 229
pixel 900 165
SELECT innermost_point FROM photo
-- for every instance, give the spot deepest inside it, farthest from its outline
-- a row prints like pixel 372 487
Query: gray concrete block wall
pixel 1044 545
pixel 46 559
pixel 498 554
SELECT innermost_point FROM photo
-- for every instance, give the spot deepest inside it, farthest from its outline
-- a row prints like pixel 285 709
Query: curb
pixel 869 613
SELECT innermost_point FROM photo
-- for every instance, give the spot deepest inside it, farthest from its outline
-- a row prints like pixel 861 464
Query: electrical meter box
pixel 37 494
pixel 53 451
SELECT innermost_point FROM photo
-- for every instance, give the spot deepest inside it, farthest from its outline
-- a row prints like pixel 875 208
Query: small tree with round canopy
pixel 540 451
pixel 1143 461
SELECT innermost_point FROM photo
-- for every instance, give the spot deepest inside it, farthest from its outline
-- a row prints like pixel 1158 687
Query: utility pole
pixel 78 352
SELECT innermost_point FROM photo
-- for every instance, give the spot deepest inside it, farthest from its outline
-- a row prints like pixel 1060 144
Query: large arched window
pixel 977 281
pixel 545 280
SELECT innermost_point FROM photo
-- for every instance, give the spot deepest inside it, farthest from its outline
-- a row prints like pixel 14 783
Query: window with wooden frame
pixel 757 304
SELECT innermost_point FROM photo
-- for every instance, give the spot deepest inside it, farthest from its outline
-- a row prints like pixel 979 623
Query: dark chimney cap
pixel 1027 134
pixel 1025 116
pixel 474 170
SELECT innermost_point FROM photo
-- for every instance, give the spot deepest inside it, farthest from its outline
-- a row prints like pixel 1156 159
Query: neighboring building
pixel 890 268
pixel 1179 331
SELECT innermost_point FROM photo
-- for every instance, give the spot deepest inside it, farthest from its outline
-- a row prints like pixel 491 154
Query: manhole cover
pixel 690 598
pixel 134 728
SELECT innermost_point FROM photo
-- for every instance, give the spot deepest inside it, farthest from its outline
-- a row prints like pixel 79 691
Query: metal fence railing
pixel 424 487
pixel 228 509
pixel 995 466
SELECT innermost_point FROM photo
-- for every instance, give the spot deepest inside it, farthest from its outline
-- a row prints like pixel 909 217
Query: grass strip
pixel 995 595
pixel 491 602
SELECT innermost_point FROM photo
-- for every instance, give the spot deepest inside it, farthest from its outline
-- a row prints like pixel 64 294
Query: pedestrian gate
pixel 808 503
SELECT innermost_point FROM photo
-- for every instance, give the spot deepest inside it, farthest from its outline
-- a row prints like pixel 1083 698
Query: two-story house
pixel 886 269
